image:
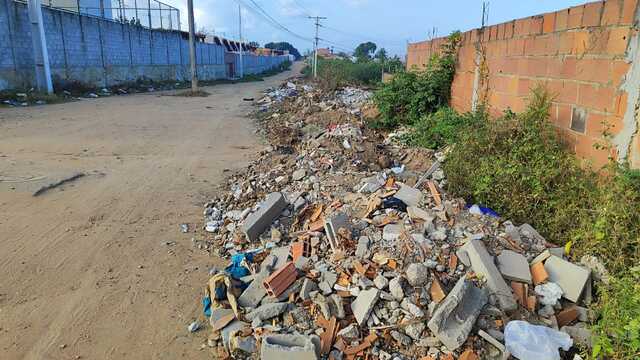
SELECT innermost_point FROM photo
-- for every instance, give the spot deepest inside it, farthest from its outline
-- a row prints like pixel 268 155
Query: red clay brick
pixel 562 116
pixel 598 42
pixel 584 146
pixel 515 47
pixel 618 40
pixel 575 17
pixel 563 91
pixel 597 70
pixel 508 29
pixel 565 42
pixel 535 25
pixel 549 22
pixel 580 42
pixel 493 32
pixel 598 98
pixel 620 105
pixel 562 18
pixel 629 9
pixel 615 124
pixel 520 27
pixel 595 125
pixel 592 13
pixel 611 13
pixel 524 87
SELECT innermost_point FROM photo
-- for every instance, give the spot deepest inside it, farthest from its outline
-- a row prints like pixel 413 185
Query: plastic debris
pixel 533 342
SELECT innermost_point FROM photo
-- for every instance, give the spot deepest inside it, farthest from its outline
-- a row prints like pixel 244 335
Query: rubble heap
pixel 342 243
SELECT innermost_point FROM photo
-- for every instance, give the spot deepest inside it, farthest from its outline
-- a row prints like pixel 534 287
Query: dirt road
pixel 98 269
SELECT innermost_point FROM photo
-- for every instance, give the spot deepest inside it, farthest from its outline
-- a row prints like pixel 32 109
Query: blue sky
pixel 389 24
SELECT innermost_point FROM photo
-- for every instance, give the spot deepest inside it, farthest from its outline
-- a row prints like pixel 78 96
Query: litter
pixel 533 342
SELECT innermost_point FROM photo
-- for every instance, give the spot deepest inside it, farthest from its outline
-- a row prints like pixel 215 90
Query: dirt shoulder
pixel 98 268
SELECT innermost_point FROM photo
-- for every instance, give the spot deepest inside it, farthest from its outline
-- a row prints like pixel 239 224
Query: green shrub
pixel 410 95
pixel 441 128
pixel 336 73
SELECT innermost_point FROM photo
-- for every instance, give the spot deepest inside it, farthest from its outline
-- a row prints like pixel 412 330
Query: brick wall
pixel 103 52
pixel 585 55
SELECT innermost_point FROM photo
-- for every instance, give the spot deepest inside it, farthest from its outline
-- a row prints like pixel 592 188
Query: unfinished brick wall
pixel 585 55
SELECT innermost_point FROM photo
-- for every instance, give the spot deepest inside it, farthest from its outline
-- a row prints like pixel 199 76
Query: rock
pixel 289 347
pixel 514 266
pixel 429 342
pixel 362 249
pixel 267 311
pixel 580 335
pixel 193 327
pixel 598 269
pixel 412 308
pixel 401 338
pixel 299 174
pixel 391 232
pixel 323 305
pixel 417 213
pixel 415 330
pixel 381 282
pixel 417 274
pixel 308 286
pixel 337 308
pixel 408 195
pixel 246 344
pixel 257 222
pixel 395 288
pixel 363 305
pixel 454 318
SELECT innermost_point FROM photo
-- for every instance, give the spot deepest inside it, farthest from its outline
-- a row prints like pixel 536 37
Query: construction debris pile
pixel 343 245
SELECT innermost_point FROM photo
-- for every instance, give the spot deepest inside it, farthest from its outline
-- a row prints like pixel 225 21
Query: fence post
pixel 135 4
pixel 102 8
pixel 149 9
pixel 78 6
pixel 160 10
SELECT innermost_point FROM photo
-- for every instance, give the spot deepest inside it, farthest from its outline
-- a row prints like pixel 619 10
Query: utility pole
pixel 315 56
pixel 192 46
pixel 40 53
pixel 485 13
pixel 240 32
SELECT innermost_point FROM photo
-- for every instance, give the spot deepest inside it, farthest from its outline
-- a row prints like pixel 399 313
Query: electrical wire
pixel 260 12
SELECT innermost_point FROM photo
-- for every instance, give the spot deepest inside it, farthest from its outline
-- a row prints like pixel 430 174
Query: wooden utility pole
pixel 192 46
pixel 315 56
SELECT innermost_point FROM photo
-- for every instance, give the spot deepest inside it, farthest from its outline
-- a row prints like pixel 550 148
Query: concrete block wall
pixel 102 52
pixel 587 56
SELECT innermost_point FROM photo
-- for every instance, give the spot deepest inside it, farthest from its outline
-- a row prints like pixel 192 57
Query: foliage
pixel 335 73
pixel 365 50
pixel 284 46
pixel 393 65
pixel 381 55
pixel 444 127
pixel 410 95
pixel 617 334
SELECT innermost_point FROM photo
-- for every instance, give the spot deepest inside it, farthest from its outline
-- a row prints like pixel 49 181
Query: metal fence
pixel 151 14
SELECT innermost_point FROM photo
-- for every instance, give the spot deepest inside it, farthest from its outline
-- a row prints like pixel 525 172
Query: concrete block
pixel 289 347
pixel 267 311
pixel 363 305
pixel 482 264
pixel 454 318
pixel 415 212
pixel 308 286
pixel 362 249
pixel 408 195
pixel 236 325
pixel 282 256
pixel 514 266
pixel 257 222
pixel 331 226
pixel 253 294
pixel 571 278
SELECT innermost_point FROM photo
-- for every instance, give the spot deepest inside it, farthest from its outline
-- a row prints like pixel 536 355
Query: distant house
pixel 326 53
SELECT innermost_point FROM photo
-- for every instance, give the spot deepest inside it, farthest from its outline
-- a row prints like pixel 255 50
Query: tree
pixel 284 46
pixel 365 50
pixel 381 55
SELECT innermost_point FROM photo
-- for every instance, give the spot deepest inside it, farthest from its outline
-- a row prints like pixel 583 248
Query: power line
pixel 362 37
pixel 315 56
pixel 304 9
pixel 260 12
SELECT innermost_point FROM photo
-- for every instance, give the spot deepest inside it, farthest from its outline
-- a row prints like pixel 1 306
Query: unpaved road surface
pixel 98 268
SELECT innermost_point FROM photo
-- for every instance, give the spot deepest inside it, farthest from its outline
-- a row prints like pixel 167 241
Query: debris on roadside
pixel 345 252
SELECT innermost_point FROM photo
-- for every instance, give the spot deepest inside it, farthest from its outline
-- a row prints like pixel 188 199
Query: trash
pixel 184 228
pixel 408 195
pixel 193 327
pixel 57 183
pixel 550 293
pixel 481 210
pixel 533 342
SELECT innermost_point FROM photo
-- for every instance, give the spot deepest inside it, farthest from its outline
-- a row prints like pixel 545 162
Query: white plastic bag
pixel 533 342
pixel 550 293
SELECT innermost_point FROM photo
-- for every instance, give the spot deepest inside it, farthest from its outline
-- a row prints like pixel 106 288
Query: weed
pixel 336 73
pixel 441 128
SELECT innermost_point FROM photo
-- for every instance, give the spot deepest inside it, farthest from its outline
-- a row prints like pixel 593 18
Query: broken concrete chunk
pixel 267 311
pixel 514 266
pixel 408 195
pixel 482 264
pixel 391 232
pixel 308 286
pixel 415 212
pixel 571 278
pixel 288 347
pixel 253 294
pixel 417 274
pixel 334 223
pixel 337 306
pixel 381 282
pixel 257 222
pixel 363 305
pixel 230 329
pixel 455 316
pixel 350 333
pixel 395 288
pixel 362 250
pixel 492 340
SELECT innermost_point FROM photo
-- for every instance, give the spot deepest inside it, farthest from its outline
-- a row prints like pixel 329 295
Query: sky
pixel 388 23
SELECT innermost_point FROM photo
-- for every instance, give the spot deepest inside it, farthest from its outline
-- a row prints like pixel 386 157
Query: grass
pixel 336 73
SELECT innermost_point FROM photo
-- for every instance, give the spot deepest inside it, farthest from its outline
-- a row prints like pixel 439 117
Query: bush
pixel 410 95
pixel 444 127
pixel 336 73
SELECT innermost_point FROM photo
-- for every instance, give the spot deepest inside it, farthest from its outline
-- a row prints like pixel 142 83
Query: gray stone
pixel 363 305
pixel 454 318
pixel 299 174
pixel 429 342
pixel 282 256
pixel 409 195
pixel 417 274
pixel 571 278
pixel 381 282
pixel 391 232
pixel 395 288
pixel 492 341
pixel 308 286
pixel 226 332
pixel 514 266
pixel 580 335
pixel 217 314
pixel 497 334
pixel 253 294
pixel 302 263
pixel 337 308
pixel 246 344
pixel 412 308
pixel 322 304
pixel 362 250
pixel 267 311
pixel 331 226
pixel 288 347
pixel 482 264
pixel 325 288
pixel 401 338
pixel 350 333
pixel 415 330
pixel 257 222
pixel 417 213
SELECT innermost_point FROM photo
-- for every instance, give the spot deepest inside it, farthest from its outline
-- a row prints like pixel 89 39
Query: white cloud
pixel 356 3
pixel 290 9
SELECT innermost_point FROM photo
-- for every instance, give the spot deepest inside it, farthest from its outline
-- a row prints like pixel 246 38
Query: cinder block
pixel 409 195
pixel 363 305
pixel 334 223
pixel 571 278
pixel 289 347
pixel 257 222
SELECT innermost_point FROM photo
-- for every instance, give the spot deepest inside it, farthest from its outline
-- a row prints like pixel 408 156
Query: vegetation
pixel 411 95
pixel 284 46
pixel 364 51
pixel 335 73
pixel 444 127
